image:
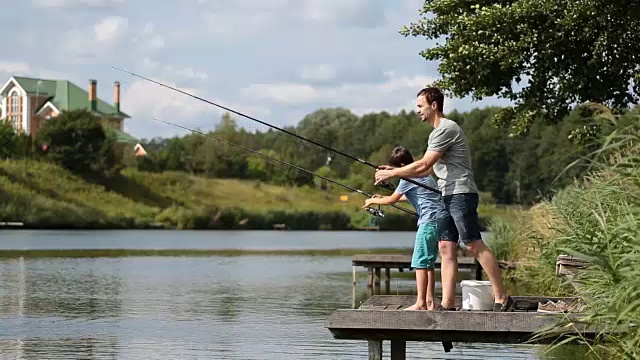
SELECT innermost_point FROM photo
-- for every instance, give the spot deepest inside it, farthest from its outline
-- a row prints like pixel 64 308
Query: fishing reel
pixel 375 212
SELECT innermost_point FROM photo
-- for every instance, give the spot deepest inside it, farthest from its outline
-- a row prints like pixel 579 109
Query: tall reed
pixel 598 220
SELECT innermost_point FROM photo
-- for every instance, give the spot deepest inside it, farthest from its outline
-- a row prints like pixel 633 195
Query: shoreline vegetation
pixel 42 195
pixel 595 219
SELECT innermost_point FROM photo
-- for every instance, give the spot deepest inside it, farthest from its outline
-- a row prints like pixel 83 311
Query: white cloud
pixel 77 3
pixel 172 72
pixel 148 40
pixel 318 72
pixel 396 92
pixel 241 18
pixel 144 100
pixel 97 42
pixel 110 29
pixel 361 13
pixel 14 67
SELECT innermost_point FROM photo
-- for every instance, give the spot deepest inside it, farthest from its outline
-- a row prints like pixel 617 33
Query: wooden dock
pixel 380 319
pixel 376 262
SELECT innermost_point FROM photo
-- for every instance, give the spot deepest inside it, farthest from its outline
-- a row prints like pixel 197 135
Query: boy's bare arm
pixel 384 200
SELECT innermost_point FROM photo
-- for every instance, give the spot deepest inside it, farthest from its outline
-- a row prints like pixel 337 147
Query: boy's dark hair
pixel 433 94
pixel 400 157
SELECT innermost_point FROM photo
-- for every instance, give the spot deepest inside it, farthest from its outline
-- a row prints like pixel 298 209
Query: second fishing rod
pixel 375 212
pixel 389 186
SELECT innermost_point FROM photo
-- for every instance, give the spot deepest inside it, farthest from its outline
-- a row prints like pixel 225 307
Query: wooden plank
pixel 401 301
pixel 477 321
pixel 454 326
pixel 401 261
pixel 496 337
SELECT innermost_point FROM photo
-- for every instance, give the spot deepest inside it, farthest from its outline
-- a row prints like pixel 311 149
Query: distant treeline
pixel 514 170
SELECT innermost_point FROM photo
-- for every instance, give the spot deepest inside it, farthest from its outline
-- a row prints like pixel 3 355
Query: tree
pixel 543 55
pixel 77 141
pixel 9 140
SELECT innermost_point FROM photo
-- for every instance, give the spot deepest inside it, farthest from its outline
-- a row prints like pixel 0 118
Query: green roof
pixel 66 95
pixel 120 136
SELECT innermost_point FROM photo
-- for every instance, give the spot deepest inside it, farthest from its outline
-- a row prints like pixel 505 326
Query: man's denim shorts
pixel 463 223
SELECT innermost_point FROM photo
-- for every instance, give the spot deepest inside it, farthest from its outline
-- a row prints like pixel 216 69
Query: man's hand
pixel 385 167
pixel 382 175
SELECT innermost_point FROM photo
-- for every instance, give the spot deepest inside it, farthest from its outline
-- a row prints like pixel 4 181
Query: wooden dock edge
pixel 380 319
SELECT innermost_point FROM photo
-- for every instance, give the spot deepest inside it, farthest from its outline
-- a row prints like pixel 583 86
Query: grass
pixel 597 220
pixel 43 195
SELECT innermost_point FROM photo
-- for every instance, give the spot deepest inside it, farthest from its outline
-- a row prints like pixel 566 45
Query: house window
pixel 14 109
pixel 14 103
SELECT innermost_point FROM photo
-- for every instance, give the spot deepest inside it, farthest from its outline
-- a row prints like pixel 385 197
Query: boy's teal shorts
pixel 425 250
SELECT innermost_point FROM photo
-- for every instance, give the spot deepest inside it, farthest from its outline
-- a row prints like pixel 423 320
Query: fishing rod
pixel 375 212
pixel 385 185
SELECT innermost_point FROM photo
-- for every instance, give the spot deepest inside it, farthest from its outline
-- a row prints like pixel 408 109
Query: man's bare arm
pixel 420 167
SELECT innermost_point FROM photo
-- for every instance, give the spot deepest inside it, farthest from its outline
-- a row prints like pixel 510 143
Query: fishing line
pixel 374 212
pixel 387 185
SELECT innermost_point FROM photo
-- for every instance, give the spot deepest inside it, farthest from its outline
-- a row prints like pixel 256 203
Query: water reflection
pixel 71 348
pixel 245 307
pixel 67 288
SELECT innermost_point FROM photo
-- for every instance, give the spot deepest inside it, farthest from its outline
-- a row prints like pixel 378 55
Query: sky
pixel 275 60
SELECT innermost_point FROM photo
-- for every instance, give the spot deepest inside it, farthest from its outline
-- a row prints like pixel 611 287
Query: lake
pixel 194 307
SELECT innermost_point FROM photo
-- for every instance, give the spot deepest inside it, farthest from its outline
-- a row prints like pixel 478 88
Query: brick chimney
pixel 116 95
pixel 93 100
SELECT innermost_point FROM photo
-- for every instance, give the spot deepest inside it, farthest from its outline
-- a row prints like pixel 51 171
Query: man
pixel 448 157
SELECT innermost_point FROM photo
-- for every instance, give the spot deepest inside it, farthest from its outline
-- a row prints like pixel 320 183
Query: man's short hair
pixel 433 94
pixel 400 156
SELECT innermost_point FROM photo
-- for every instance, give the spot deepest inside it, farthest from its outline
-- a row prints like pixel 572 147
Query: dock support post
pixel 370 282
pixel 478 270
pixel 354 275
pixel 377 277
pixel 398 350
pixel 375 349
pixel 387 280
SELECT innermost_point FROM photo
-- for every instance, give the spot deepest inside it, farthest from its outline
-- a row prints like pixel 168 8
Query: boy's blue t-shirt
pixel 428 204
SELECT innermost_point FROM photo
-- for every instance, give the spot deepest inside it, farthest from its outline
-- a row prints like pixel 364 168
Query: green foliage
pixel 599 223
pixel 44 195
pixel 10 141
pixel 77 141
pixel 544 55
pixel 595 219
pixel 520 170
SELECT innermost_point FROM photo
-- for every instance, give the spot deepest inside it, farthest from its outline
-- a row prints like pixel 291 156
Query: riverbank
pixel 44 196
pixel 596 220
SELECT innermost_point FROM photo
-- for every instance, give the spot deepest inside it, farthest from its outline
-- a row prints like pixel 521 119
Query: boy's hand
pixel 368 203
pixel 375 196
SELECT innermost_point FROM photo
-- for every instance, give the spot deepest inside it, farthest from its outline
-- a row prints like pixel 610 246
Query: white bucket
pixel 476 295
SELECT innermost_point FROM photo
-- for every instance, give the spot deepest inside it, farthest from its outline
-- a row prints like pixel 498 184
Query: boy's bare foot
pixel 416 306
pixel 419 306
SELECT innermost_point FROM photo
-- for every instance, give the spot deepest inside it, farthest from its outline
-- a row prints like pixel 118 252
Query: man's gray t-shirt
pixel 453 169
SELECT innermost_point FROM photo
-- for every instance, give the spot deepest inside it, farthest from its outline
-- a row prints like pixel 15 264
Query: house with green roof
pixel 28 102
